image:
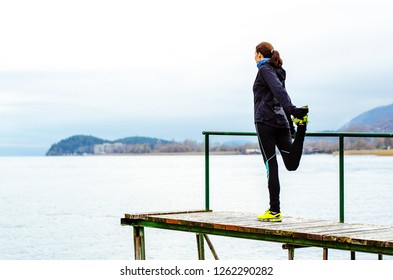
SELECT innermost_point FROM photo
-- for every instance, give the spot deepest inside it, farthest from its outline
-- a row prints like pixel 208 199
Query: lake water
pixel 70 207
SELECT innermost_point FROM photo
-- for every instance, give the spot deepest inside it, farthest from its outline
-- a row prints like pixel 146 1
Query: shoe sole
pixel 270 220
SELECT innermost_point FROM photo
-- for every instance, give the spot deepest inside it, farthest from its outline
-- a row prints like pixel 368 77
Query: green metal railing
pixel 340 135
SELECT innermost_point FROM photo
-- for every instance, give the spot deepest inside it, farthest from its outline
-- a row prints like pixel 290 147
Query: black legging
pixel 269 137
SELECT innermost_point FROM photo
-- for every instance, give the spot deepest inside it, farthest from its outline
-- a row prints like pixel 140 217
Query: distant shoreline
pixel 346 152
pixel 367 152
pixel 167 154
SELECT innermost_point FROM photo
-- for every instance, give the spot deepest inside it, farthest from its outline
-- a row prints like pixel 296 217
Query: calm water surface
pixel 70 207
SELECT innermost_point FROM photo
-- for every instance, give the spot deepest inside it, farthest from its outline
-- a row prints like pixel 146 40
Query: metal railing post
pixel 207 175
pixel 341 174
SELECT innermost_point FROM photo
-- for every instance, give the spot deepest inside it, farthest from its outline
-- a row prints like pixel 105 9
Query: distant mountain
pixel 86 144
pixel 379 119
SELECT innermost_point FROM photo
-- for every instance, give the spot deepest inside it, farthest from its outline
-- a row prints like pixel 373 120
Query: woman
pixel 274 127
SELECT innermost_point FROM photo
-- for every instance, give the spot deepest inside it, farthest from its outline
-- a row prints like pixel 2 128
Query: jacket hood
pixel 281 74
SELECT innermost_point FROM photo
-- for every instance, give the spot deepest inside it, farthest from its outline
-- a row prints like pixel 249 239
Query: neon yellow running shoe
pixel 269 216
pixel 302 121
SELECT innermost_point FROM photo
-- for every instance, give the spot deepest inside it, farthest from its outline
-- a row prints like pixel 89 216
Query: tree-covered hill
pixel 142 140
pixel 90 145
pixel 75 145
pixel 86 144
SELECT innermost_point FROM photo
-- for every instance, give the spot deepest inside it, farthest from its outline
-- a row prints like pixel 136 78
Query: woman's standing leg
pixel 267 142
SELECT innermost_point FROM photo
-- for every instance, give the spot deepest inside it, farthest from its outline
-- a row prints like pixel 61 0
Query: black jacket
pixel 272 104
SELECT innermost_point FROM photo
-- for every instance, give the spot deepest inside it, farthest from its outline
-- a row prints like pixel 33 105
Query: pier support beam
pixel 291 253
pixel 200 237
pixel 201 246
pixel 139 243
pixel 210 244
pixel 325 254
pixel 291 250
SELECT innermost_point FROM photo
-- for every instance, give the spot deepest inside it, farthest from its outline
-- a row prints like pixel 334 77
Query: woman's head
pixel 267 51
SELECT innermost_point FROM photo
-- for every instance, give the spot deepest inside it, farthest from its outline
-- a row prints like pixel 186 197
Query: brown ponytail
pixel 267 50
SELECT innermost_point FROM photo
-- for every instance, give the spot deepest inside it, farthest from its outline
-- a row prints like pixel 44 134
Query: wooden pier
pixel 291 232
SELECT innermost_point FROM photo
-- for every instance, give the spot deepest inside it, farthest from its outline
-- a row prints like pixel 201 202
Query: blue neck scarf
pixel 259 64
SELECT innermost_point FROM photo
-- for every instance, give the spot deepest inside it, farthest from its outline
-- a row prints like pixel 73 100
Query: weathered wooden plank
pixel 379 238
pixel 333 229
pixel 388 244
pixel 228 216
pixel 143 215
pixel 381 234
pixel 246 221
pixel 345 237
pixel 164 220
pixel 291 229
pixel 317 231
pixel 218 221
pixel 335 233
pixel 234 222
pixel 203 220
pixel 310 226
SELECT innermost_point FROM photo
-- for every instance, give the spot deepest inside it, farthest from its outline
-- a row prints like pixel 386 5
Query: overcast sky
pixel 171 69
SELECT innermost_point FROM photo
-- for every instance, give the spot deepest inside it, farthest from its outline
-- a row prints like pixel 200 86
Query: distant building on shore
pixel 252 152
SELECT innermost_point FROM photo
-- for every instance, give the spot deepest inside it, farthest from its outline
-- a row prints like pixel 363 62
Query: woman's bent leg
pixel 291 151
